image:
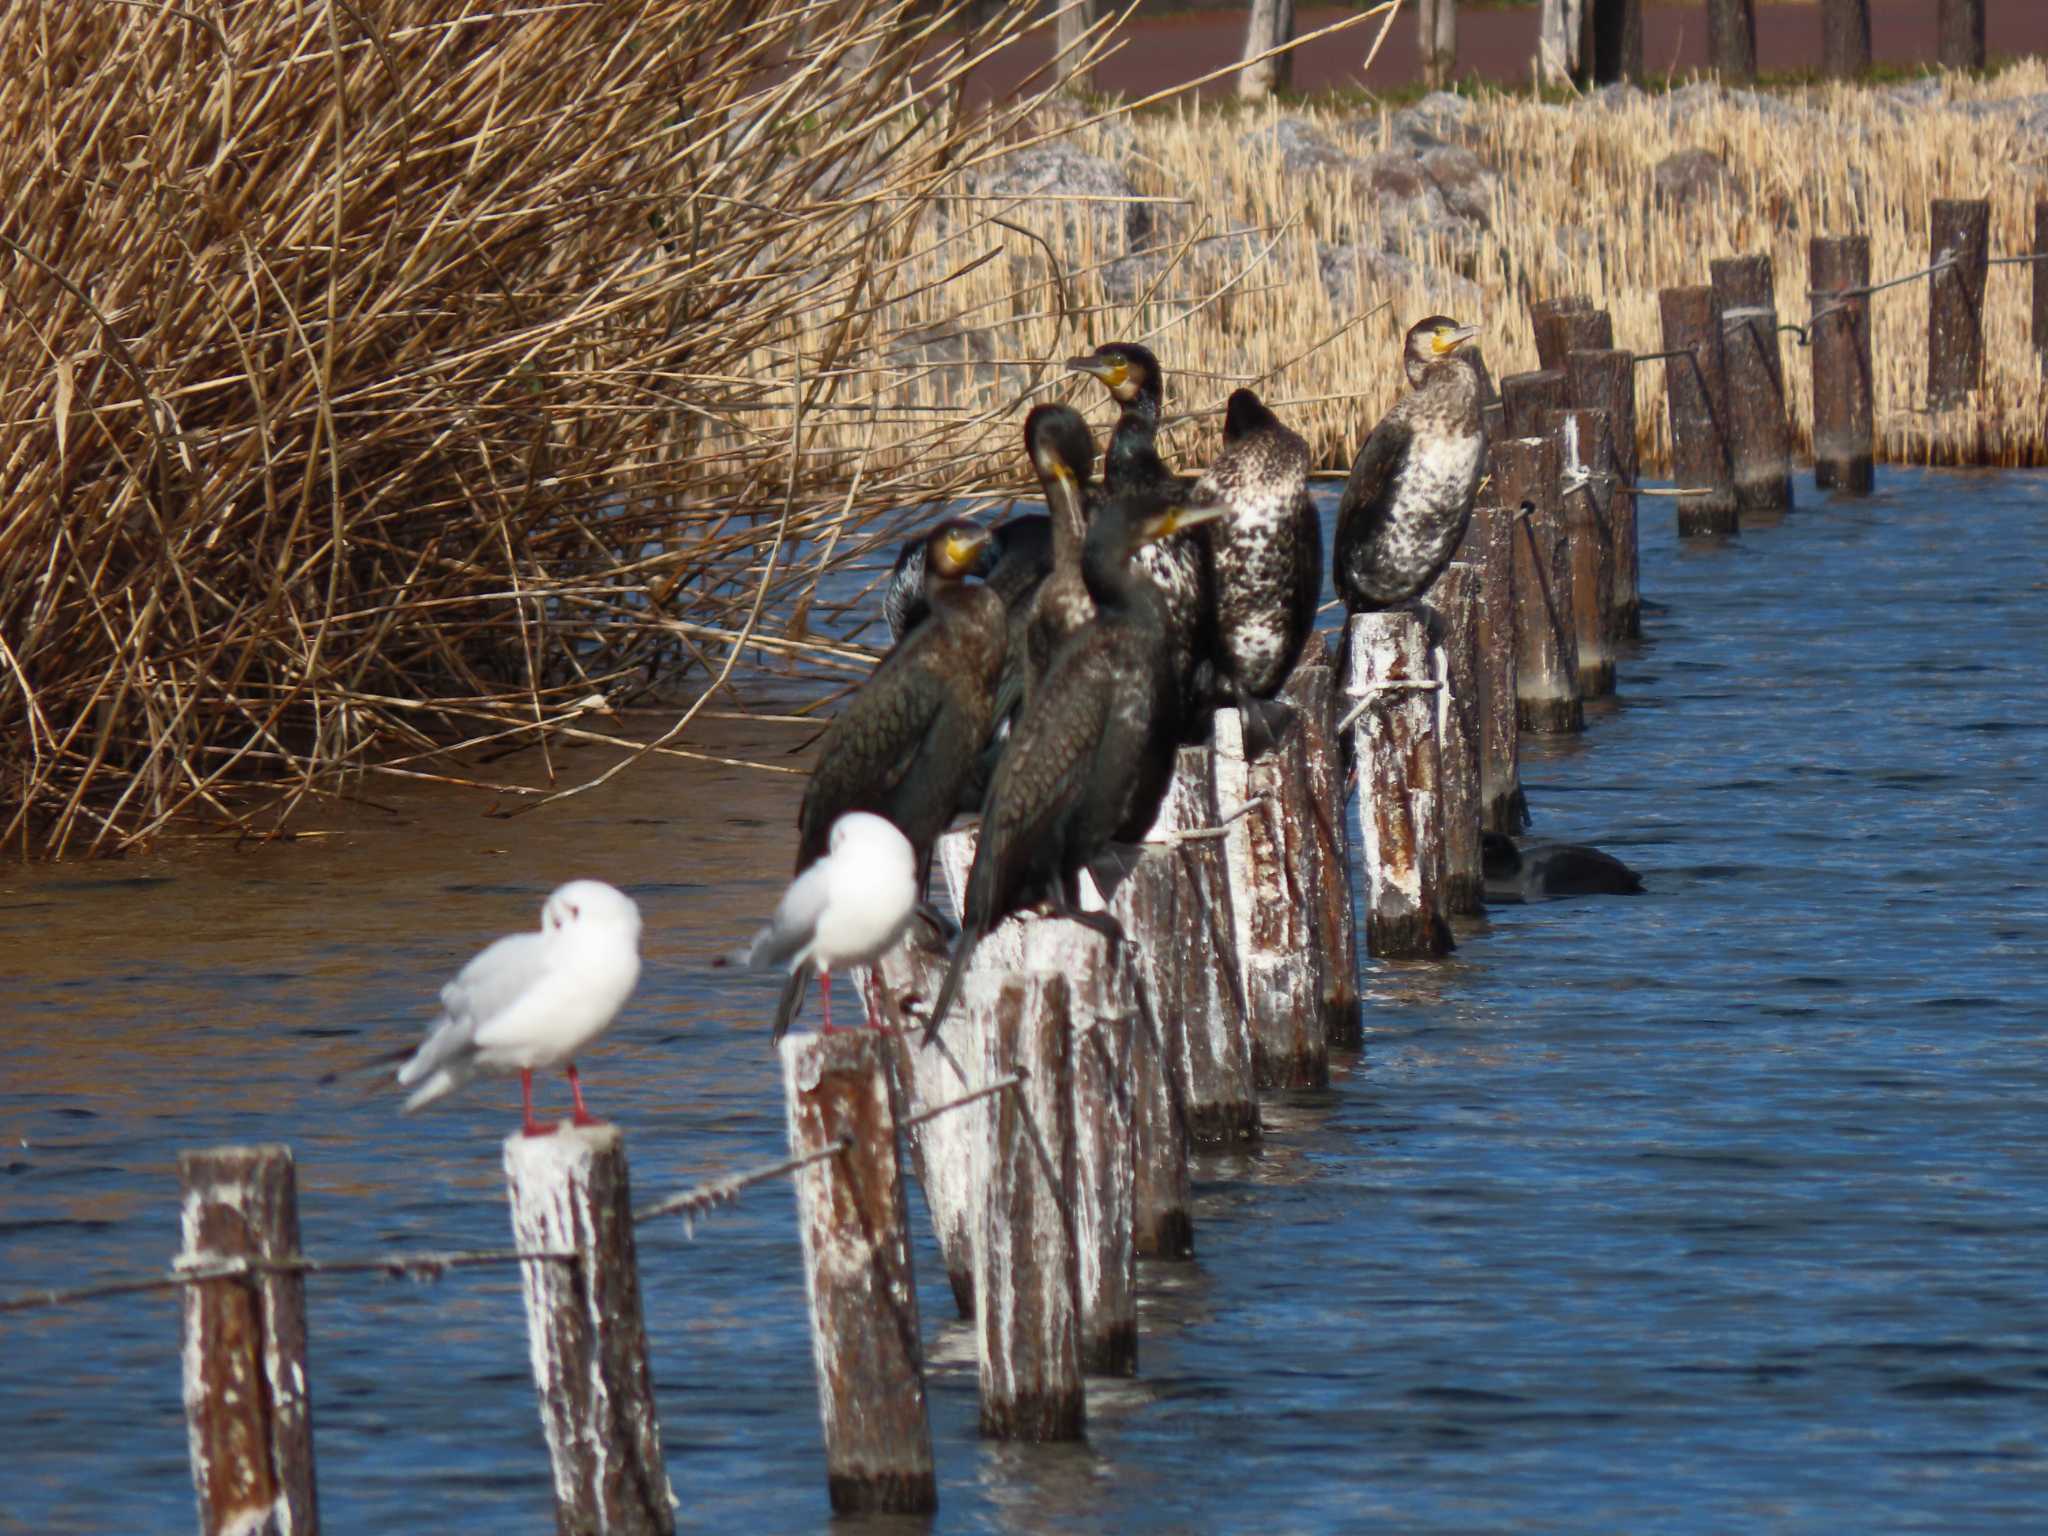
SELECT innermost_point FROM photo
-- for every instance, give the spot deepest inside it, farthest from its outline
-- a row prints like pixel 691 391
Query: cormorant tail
pixel 792 999
pixel 956 969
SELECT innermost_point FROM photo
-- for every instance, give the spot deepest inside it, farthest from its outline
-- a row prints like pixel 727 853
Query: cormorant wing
pixel 1378 462
pixel 871 743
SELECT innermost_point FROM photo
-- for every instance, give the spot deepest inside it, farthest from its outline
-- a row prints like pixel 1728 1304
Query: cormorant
pixel 1410 493
pixel 1266 558
pixel 534 1000
pixel 1090 758
pixel 1131 465
pixel 906 744
pixel 1016 558
pixel 846 909
pixel 1544 871
pixel 1062 451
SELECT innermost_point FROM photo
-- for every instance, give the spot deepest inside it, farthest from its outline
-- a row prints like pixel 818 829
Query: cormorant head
pixel 1128 523
pixel 1431 341
pixel 1059 443
pixel 959 548
pixel 1126 370
pixel 1244 415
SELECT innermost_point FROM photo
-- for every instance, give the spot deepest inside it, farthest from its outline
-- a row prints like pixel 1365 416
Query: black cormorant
pixel 1013 562
pixel 1545 871
pixel 1090 758
pixel 1062 450
pixel 1266 559
pixel 1410 493
pixel 904 746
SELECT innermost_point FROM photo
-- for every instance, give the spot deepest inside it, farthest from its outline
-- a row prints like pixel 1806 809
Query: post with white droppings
pixel 1312 690
pixel 248 1412
pixel 1586 453
pixel 1525 479
pixel 865 1337
pixel 1392 685
pixel 1265 839
pixel 1207 1031
pixel 570 1194
pixel 1101 1010
pixel 1027 1278
pixel 1454 600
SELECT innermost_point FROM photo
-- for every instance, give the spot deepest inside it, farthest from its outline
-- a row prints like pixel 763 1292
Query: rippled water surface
pixel 1722 1208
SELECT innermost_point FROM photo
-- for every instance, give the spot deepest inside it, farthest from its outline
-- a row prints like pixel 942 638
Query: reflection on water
pixel 1720 1208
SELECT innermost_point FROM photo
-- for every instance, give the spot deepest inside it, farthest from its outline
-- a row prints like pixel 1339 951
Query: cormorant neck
pixel 1135 438
pixel 1066 505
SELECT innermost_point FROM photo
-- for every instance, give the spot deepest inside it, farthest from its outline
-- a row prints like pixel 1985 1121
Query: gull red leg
pixel 825 988
pixel 532 1127
pixel 582 1115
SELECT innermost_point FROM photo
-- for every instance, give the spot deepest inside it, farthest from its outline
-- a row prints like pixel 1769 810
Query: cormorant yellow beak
pixel 964 550
pixel 1111 370
pixel 1174 520
pixel 1446 339
pixel 1052 465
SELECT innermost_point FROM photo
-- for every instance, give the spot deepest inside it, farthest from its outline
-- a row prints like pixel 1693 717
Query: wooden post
pixel 1027 1277
pixel 1072 27
pixel 1455 601
pixel 865 1335
pixel 1102 1006
pixel 1617 41
pixel 1390 687
pixel 1271 24
pixel 1695 394
pixel 1842 409
pixel 1210 1034
pixel 1490 547
pixel 1578 330
pixel 248 1406
pixel 570 1194
pixel 1731 40
pixel 1525 478
pixel 1275 936
pixel 1312 690
pixel 1543 318
pixel 1759 437
pixel 1605 380
pixel 1586 462
pixel 1962 34
pixel 1437 41
pixel 2041 282
pixel 1955 300
pixel 1844 38
pixel 1526 398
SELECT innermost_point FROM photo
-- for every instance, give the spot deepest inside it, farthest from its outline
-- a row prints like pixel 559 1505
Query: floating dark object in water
pixel 1548 871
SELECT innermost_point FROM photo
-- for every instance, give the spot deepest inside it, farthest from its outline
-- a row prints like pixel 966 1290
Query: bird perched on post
pixel 845 909
pixel 1266 561
pixel 1409 497
pixel 1090 758
pixel 1131 465
pixel 534 999
pixel 907 742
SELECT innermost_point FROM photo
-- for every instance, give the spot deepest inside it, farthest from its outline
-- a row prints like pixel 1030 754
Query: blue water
pixel 1721 1208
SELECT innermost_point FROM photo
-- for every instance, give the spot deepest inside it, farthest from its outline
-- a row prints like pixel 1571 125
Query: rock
pixel 1691 177
pixel 1439 118
pixel 1466 184
pixel 1299 146
pixel 1619 94
pixel 1412 203
pixel 1356 275
pixel 1049 172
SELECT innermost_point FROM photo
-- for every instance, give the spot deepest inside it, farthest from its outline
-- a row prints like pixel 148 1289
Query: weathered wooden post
pixel 1027 1276
pixel 1759 436
pixel 1210 1033
pixel 1695 394
pixel 1312 690
pixel 1955 301
pixel 1490 547
pixel 1526 398
pixel 1842 380
pixel 1962 34
pixel 1525 478
pixel 2041 282
pixel 1391 685
pixel 1278 965
pixel 1454 600
pixel 248 1406
pixel 1844 38
pixel 1731 40
pixel 1578 330
pixel 1543 317
pixel 852 1217
pixel 570 1194
pixel 1586 455
pixel 1605 380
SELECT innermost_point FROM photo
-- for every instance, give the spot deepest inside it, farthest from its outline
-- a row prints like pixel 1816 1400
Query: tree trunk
pixel 1844 38
pixel 1074 21
pixel 1731 39
pixel 1962 34
pixel 1437 36
pixel 1617 40
pixel 1272 24
pixel 1560 45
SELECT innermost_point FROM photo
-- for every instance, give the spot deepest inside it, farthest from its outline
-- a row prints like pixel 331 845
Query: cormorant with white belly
pixel 907 743
pixel 1090 757
pixel 1266 560
pixel 1410 494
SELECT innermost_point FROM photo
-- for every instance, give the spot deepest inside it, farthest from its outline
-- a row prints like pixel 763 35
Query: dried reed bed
pixel 382 379
pixel 1235 291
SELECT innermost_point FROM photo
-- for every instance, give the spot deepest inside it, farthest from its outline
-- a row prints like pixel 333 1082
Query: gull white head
pixel 591 905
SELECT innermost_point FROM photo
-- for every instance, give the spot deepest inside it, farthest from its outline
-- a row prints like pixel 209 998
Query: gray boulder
pixel 1691 177
pixel 1045 175
pixel 1299 146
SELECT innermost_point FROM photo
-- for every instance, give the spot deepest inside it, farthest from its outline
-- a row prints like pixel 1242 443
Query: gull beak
pixel 1445 342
